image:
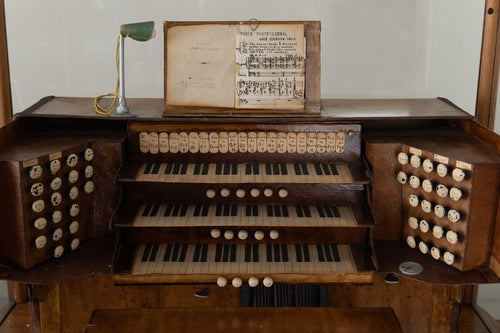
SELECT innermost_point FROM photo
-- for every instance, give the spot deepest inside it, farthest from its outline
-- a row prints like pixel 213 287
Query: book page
pixel 201 65
pixel 270 66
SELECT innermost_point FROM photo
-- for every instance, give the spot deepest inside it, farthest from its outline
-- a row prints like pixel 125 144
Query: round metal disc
pixel 410 268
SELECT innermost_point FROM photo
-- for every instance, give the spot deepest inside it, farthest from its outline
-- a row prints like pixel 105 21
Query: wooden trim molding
pixel 5 94
pixel 489 66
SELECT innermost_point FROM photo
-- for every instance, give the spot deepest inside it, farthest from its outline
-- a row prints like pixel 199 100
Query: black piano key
pixel 328 211
pixel 284 253
pixel 284 209
pixel 175 211
pixel 300 213
pixel 204 253
pixel 298 253
pixel 270 211
pixel 335 211
pixel 218 252
pixel 168 169
pixel 204 171
pixel 268 169
pixel 234 210
pixel 283 169
pixel 184 168
pixel 277 256
pixel 248 169
pixel 177 168
pixel 248 252
pixel 328 253
pixel 326 169
pixel 276 169
pixel 225 253
pixel 226 210
pixel 145 254
pixel 317 168
pixel 297 169
pixel 154 211
pixel 197 210
pixel 168 210
pixel 321 212
pixel 307 257
pixel 269 252
pixel 218 168
pixel 255 210
pixel 255 252
pixel 333 167
pixel 204 212
pixel 307 212
pixel 321 254
pixel 218 210
pixel 277 211
pixel 335 252
pixel 175 252
pixel 233 253
pixel 184 249
pixel 256 168
pixel 234 168
pixel 168 251
pixel 147 169
pixel 156 168
pixel 183 210
pixel 304 169
pixel 197 169
pixel 146 210
pixel 196 255
pixel 248 211
pixel 227 168
pixel 154 252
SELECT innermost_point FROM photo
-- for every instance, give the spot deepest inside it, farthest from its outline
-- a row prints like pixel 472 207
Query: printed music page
pixel 201 65
pixel 270 66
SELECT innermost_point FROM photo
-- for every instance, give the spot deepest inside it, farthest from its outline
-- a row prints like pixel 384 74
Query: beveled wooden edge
pixel 283 278
pixel 5 90
pixel 312 96
pixel 489 65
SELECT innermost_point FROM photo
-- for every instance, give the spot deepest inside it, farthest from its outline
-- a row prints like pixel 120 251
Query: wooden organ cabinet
pixel 249 223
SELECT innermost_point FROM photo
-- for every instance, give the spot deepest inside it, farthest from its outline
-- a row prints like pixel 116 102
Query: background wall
pixel 370 49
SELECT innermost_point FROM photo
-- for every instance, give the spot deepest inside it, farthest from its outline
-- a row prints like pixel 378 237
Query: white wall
pixel 370 49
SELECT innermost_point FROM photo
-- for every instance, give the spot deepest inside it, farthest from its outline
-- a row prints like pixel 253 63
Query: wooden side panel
pixel 107 161
pixel 386 191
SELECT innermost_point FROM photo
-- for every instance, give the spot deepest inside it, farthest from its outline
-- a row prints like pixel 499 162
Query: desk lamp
pixel 142 31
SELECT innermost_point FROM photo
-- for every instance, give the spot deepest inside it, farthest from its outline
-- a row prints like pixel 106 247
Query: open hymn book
pixel 235 66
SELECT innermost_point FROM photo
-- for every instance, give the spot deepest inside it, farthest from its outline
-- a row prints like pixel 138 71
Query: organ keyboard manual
pixel 186 209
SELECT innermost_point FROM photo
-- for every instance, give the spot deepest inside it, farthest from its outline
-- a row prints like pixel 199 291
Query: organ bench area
pixel 249 223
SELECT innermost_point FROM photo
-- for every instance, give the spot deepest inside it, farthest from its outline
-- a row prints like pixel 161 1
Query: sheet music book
pixel 236 66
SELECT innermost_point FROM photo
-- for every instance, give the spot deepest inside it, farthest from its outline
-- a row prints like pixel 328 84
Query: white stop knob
pixel 274 234
pixel 268 281
pixel 210 193
pixel 236 282
pixel 221 281
pixel 268 192
pixel 259 235
pixel 224 192
pixel 253 281
pixel 215 233
pixel 242 234
pixel 228 234
pixel 254 192
pixel 240 193
pixel 283 193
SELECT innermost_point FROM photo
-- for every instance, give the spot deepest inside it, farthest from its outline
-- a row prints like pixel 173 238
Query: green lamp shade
pixel 141 31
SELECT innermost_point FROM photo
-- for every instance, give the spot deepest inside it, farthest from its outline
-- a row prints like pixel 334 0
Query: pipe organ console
pixel 152 206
